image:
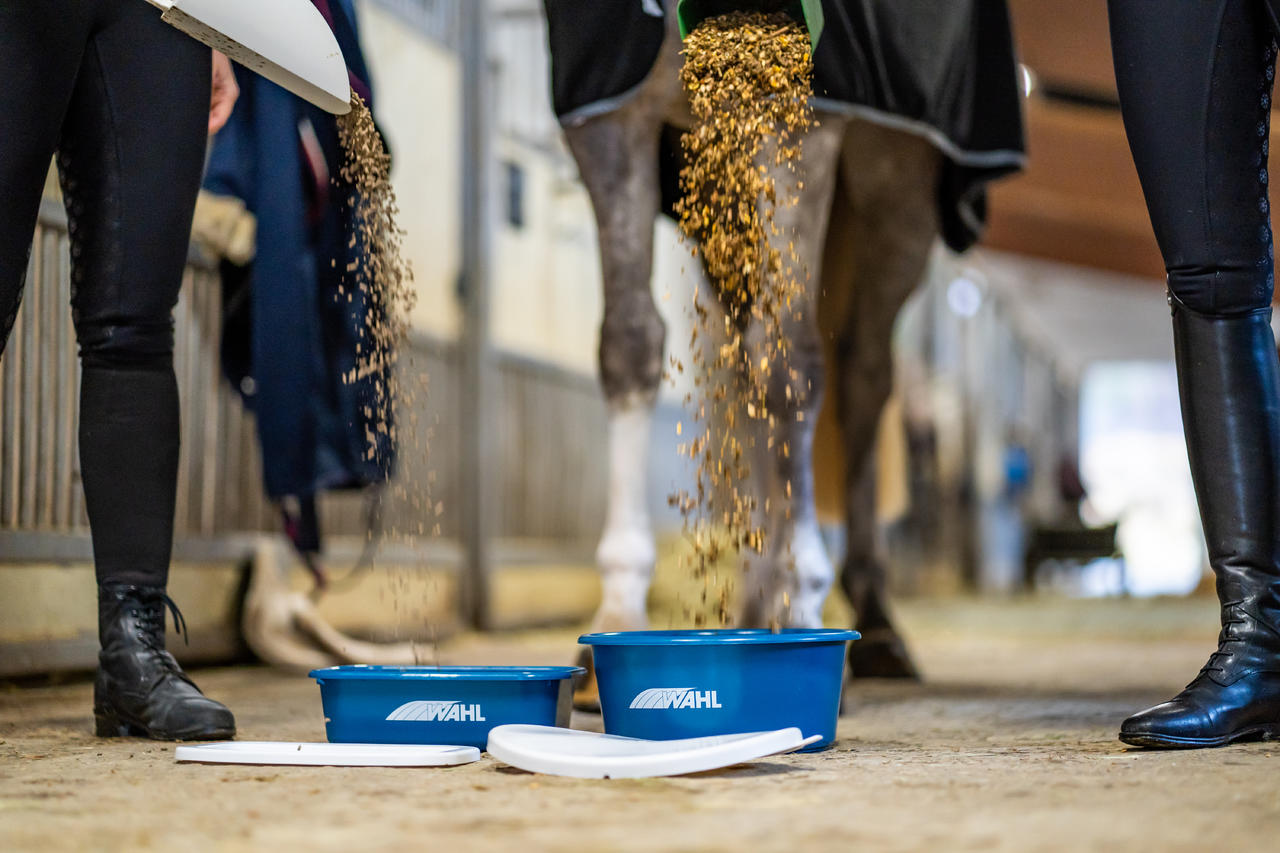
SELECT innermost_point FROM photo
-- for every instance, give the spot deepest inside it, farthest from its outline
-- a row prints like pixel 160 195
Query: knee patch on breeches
pixel 1224 292
pixel 136 345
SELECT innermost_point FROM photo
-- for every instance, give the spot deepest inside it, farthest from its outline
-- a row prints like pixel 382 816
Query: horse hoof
pixel 881 654
pixel 586 692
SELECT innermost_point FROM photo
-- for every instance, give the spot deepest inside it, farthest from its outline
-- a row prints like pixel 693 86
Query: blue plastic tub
pixel 663 685
pixel 455 705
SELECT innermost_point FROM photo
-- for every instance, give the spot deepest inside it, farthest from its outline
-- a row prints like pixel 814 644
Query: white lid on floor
pixel 588 755
pixel 328 754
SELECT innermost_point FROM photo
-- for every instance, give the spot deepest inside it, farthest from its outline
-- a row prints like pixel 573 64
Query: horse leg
pixel 788 585
pixel 881 653
pixel 617 156
pixel 890 213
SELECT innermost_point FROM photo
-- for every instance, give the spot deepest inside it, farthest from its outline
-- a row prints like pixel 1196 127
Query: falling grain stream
pixel 748 78
pixel 384 280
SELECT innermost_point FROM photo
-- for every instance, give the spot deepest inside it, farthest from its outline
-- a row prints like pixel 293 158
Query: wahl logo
pixel 436 711
pixel 665 698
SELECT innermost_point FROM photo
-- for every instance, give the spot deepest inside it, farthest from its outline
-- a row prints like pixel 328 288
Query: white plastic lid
pixel 328 754
pixel 286 41
pixel 588 755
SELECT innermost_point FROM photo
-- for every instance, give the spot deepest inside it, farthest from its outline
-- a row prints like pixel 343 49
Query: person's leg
pixel 40 49
pixel 1195 86
pixel 130 159
pixel 1195 89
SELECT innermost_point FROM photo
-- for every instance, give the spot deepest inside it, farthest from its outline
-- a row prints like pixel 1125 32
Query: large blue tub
pixel 454 705
pixel 663 685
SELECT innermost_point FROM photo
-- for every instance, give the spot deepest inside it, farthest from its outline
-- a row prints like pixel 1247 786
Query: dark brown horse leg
pixel 881 653
pixel 891 214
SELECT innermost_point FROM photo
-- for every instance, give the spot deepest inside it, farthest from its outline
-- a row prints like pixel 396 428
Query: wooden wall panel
pixel 1079 200
pixel 1066 44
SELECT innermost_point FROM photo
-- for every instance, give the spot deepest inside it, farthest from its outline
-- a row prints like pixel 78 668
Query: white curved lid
pixel 588 755
pixel 327 754
pixel 286 41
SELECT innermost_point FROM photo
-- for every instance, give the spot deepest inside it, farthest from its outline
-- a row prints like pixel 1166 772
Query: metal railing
pixel 550 434
pixel 39 486
pixel 219 475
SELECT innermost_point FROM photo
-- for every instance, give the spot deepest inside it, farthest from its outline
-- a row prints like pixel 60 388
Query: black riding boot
pixel 1229 380
pixel 140 689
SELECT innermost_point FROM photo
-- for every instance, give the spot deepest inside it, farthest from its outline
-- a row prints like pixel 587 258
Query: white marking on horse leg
pixel 807 570
pixel 789 583
pixel 626 553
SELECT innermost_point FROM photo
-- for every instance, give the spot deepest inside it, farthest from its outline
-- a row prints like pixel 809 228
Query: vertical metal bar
pixel 69 404
pixel 79 515
pixel 251 491
pixel 208 287
pixel 193 424
pixel 29 356
pixel 192 411
pixel 970 569
pixel 50 350
pixel 477 367
pixel 251 479
pixel 248 512
pixel 182 329
pixel 5 410
pixel 12 467
pixel 241 439
pixel 233 465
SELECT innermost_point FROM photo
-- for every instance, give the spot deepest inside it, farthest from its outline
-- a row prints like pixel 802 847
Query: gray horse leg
pixel 788 585
pixel 617 156
pixel 889 218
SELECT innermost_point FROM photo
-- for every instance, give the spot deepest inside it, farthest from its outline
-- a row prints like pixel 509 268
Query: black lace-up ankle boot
pixel 140 689
pixel 1229 380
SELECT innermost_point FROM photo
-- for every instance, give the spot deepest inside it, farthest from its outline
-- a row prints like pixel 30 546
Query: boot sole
pixel 1156 741
pixel 109 725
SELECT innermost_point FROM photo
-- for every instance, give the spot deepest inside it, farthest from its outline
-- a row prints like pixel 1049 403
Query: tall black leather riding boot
pixel 1229 381
pixel 140 689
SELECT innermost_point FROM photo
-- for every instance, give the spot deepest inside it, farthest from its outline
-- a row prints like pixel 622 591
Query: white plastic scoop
pixel 588 755
pixel 327 754
pixel 286 41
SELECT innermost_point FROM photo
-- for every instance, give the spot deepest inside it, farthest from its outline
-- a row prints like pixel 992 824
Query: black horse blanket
pixel 944 69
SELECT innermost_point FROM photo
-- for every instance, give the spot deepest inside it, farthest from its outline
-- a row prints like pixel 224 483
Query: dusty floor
pixel 1009 745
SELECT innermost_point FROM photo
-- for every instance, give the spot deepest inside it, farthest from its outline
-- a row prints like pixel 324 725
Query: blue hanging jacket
pixel 292 318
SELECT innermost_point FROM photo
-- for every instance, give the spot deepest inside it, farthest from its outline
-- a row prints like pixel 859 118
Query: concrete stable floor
pixel 1008 745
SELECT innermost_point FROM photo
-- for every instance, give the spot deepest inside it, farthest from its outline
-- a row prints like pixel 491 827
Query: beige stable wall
pixel 547 298
pixel 417 88
pixel 545 275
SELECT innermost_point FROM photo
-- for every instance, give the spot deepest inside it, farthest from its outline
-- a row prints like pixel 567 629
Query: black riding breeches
pixel 1195 79
pixel 123 101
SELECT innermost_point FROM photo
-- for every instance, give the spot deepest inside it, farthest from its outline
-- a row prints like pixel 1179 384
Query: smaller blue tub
pixel 663 685
pixel 453 705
